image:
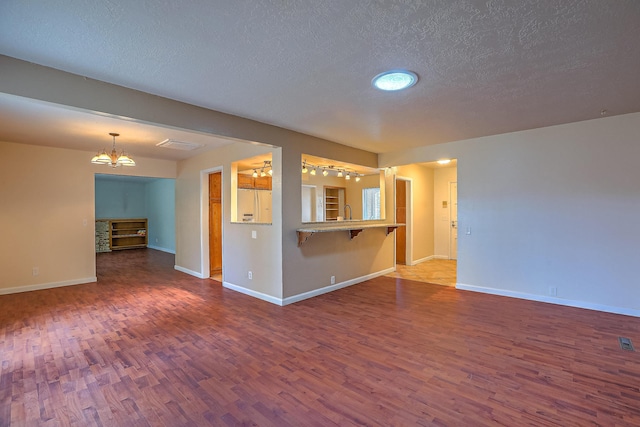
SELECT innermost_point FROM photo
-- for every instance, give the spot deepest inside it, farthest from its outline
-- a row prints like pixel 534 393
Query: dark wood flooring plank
pixel 150 346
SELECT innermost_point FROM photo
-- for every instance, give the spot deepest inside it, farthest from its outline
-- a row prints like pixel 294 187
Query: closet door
pixel 401 218
pixel 215 223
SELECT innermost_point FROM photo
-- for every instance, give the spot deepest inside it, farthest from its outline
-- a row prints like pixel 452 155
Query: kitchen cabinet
pixel 249 182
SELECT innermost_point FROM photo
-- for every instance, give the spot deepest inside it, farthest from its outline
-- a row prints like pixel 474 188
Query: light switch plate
pixel 254 234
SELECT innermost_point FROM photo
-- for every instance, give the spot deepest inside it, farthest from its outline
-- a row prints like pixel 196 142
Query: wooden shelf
pixel 334 199
pixel 128 233
pixel 353 230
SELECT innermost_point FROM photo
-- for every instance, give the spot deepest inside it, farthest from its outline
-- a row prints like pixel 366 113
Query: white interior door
pixel 308 203
pixel 453 217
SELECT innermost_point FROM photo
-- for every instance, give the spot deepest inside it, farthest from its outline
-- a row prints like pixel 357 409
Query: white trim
pixel 551 300
pixel 252 293
pixel 441 257
pixel 449 222
pixel 331 288
pixel 190 272
pixel 41 286
pixel 421 260
pixel 305 295
pixel 158 248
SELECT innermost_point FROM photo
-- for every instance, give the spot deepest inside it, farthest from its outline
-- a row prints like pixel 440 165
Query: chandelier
pixel 113 159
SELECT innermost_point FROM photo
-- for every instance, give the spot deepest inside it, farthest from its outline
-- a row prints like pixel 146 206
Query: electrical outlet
pixel 254 234
pixel 553 291
pixel 333 280
pixel 250 275
pixel 35 271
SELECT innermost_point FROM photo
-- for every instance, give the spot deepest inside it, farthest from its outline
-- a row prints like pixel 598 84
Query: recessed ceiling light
pixel 394 80
pixel 444 161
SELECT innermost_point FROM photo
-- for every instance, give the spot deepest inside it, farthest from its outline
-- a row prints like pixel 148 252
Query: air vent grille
pixel 179 145
pixel 625 343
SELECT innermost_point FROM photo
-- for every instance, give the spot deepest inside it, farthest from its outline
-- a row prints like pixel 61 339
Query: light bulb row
pixel 313 170
pixel 264 170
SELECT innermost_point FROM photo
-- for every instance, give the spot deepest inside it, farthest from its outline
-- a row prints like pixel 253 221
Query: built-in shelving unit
pixel 127 233
pixel 334 198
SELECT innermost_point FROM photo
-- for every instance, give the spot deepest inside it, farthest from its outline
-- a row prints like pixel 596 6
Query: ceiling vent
pixel 179 145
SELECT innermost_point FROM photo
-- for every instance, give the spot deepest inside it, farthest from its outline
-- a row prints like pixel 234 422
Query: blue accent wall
pixel 137 197
pixel 161 212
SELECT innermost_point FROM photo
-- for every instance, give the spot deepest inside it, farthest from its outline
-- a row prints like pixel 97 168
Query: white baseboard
pixel 331 288
pixel 251 292
pixel 441 257
pixel 305 295
pixel 551 300
pixel 190 272
pixel 421 260
pixel 158 248
pixel 41 286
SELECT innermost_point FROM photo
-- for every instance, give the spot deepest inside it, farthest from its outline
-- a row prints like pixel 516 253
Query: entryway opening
pixel 133 214
pixel 426 249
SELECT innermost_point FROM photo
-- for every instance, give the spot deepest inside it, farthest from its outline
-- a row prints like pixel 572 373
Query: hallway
pixel 437 271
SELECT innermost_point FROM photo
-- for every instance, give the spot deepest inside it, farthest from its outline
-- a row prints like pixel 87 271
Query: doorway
pixel 215 226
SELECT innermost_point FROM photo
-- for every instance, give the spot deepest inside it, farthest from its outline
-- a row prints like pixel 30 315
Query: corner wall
pixel 48 214
pixel 551 210
pixel 240 252
pixel 422 187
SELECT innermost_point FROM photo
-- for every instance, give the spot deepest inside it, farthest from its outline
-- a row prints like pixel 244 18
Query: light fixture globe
pixel 114 160
pixel 394 80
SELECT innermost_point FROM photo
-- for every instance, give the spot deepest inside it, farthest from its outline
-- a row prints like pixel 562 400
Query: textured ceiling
pixel 485 67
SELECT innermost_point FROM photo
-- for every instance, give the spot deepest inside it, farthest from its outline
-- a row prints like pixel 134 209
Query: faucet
pixel 345 211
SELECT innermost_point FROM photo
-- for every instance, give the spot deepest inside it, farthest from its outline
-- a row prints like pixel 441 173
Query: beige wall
pixel 241 253
pixel 309 268
pixel 442 220
pixel 48 214
pixel 280 268
pixel 421 220
pixel 550 210
pixel 303 269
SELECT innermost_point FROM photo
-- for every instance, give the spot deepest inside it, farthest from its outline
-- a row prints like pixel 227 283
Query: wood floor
pixel 150 346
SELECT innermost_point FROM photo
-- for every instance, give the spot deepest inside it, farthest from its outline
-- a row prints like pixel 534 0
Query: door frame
pixel 450 219
pixel 205 267
pixel 409 223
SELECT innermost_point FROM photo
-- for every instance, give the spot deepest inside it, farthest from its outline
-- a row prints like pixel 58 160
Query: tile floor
pixel 438 271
